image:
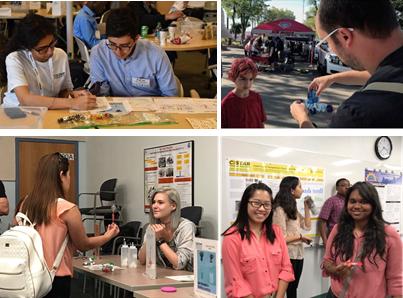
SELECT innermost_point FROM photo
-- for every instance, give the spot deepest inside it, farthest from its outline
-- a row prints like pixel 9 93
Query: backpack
pixel 23 269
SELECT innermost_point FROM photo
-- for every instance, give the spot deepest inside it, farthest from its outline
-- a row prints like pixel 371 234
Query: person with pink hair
pixel 242 107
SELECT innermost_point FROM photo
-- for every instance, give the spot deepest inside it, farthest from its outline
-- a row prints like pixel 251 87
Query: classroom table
pixel 179 119
pixel 132 279
pixel 192 45
pixel 157 293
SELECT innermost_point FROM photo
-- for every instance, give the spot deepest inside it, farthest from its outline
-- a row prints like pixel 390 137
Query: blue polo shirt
pixel 147 72
pixel 85 27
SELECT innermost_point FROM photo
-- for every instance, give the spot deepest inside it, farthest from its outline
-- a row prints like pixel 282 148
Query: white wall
pixel 310 151
pixel 123 158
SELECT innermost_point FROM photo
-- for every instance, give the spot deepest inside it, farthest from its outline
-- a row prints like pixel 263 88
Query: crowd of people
pixel 263 250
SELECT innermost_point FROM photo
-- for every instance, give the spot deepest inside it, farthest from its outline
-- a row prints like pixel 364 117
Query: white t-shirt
pixel 42 78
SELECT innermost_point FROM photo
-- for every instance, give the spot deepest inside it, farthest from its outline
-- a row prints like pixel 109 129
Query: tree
pixel 273 13
pixel 236 29
pixel 311 13
pixel 244 10
pixel 398 5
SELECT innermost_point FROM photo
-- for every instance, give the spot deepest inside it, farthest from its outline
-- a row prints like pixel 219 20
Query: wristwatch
pixel 159 242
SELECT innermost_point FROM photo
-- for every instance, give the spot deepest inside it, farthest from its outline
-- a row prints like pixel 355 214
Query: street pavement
pixel 279 90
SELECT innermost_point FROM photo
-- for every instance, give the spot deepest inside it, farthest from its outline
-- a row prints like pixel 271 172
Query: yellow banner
pixel 274 171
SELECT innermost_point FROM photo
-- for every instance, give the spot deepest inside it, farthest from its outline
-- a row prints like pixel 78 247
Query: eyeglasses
pixel 45 49
pixel 330 34
pixel 256 204
pixel 123 48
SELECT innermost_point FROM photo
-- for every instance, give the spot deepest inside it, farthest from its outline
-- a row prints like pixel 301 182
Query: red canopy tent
pixel 284 27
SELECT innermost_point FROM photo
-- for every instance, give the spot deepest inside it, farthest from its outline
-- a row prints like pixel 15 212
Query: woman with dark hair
pixel 56 217
pixel 174 234
pixel 291 222
pixel 364 254
pixel 37 73
pixel 254 253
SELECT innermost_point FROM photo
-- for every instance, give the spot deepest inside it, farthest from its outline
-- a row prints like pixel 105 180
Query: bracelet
pixel 159 242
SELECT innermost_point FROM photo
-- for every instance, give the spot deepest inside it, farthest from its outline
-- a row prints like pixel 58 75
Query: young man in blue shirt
pixel 128 66
pixel 85 24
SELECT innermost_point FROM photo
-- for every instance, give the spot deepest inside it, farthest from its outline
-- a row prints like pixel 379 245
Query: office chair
pixel 194 214
pixel 131 231
pixel 105 16
pixel 106 193
pixel 179 86
pixel 85 57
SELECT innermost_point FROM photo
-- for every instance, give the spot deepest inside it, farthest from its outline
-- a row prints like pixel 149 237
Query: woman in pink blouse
pixel 364 254
pixel 288 218
pixel 254 253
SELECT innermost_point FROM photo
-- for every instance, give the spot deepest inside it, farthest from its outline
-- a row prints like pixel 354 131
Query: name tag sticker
pixel 140 82
pixel 58 75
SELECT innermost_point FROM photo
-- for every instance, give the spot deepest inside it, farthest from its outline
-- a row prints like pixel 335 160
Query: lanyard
pixel 36 72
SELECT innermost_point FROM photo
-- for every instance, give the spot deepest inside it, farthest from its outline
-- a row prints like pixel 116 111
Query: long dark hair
pixel 284 197
pixel 28 33
pixel 40 203
pixel 374 235
pixel 242 220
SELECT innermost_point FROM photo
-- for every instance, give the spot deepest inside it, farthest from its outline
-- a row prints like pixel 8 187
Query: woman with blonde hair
pixel 174 234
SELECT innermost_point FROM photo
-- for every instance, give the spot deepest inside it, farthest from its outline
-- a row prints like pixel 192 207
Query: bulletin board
pixel 241 173
pixel 389 187
pixel 169 165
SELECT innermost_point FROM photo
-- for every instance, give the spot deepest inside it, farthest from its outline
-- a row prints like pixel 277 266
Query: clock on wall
pixel 383 147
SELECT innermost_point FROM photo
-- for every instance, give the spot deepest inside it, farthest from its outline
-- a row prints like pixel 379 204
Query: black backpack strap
pixel 385 86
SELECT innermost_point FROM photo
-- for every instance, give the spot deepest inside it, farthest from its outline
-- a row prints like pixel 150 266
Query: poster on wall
pixel 389 187
pixel 169 165
pixel 242 173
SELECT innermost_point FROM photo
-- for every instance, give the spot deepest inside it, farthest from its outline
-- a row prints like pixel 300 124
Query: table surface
pixel 157 293
pixel 133 279
pixel 51 116
pixel 192 45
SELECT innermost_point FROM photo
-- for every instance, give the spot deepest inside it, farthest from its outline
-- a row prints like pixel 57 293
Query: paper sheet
pixel 209 123
pixel 182 277
pixel 119 106
pixel 102 106
pixel 143 104
pixel 185 105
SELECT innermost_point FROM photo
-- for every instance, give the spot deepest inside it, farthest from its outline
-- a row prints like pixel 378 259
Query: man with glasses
pixel 366 35
pixel 330 213
pixel 128 66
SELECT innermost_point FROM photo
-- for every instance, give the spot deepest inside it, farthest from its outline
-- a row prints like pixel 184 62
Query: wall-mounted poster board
pixel 241 173
pixel 389 187
pixel 169 165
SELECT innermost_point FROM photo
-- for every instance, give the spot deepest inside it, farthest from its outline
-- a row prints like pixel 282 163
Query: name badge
pixel 140 82
pixel 58 75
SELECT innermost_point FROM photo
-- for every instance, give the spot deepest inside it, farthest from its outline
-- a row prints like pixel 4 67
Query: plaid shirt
pixel 331 211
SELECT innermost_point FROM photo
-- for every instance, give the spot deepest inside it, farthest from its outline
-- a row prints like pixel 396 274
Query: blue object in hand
pixel 313 105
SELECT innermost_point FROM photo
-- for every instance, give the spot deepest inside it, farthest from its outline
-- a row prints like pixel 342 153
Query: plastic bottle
pixel 124 252
pixel 132 256
pixel 157 31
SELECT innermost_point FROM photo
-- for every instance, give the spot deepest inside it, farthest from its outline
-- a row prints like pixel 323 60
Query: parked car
pixel 328 62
